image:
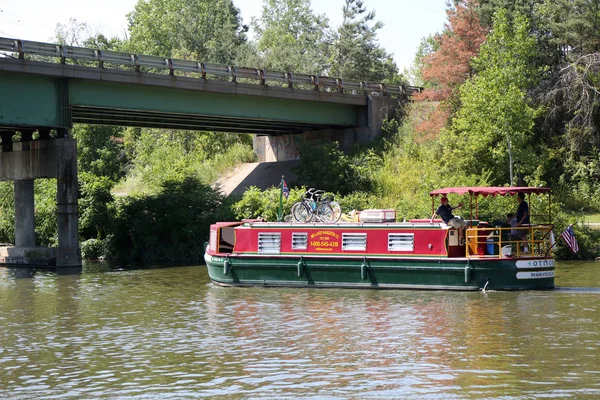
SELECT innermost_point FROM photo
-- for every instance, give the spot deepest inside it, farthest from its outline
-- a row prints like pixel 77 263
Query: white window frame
pixel 395 242
pixel 269 243
pixel 299 240
pixel 351 241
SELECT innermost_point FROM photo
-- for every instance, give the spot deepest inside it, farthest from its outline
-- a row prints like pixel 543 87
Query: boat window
pixel 401 242
pixel 269 243
pixel 299 241
pixel 354 241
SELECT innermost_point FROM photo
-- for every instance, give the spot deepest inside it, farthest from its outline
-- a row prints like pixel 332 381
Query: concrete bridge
pixel 48 87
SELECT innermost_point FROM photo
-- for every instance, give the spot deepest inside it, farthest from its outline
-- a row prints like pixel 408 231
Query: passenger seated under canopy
pixel 445 213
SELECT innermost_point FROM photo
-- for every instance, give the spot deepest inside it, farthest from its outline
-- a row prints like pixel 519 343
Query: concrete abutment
pixel 369 127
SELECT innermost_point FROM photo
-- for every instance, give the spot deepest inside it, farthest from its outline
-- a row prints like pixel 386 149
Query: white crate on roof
pixel 376 215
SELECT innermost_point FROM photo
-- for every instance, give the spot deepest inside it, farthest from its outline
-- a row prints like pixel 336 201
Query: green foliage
pixel 100 150
pixel 573 26
pixel 7 212
pixel 326 166
pixel 46 224
pixel 356 53
pixel 291 37
pixel 206 30
pixel 496 118
pixel 160 155
pixel 96 206
pixel 587 239
pixel 489 8
pixel 100 41
pixel 427 46
pixel 265 204
pixel 357 201
pixel 171 225
pixel 94 249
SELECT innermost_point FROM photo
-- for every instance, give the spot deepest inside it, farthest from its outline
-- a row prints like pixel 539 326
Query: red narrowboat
pixel 418 254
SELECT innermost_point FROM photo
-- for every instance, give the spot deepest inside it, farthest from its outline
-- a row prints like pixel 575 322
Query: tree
pixel 493 127
pixel 207 30
pixel 572 98
pixel 325 166
pixel 100 150
pixel 72 33
pixel 100 41
pixel 427 46
pixel 573 26
pixel 356 53
pixel 487 9
pixel 170 225
pixel 449 65
pixel 291 37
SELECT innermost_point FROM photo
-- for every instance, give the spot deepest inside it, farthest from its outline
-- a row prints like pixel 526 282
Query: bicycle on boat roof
pixel 314 206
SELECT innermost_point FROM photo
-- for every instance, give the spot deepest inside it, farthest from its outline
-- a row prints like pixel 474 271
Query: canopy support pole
pixel 471 206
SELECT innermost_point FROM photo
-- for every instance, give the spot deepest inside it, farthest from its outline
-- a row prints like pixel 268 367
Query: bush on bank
pixel 171 225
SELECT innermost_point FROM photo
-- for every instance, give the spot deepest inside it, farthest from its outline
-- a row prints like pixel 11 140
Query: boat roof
pixel 489 190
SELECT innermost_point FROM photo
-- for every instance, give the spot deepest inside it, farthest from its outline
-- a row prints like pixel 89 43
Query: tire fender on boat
pixel 300 267
pixel 364 270
pixel 468 270
pixel 226 267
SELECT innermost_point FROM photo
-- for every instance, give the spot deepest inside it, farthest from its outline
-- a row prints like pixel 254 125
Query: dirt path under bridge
pixel 262 175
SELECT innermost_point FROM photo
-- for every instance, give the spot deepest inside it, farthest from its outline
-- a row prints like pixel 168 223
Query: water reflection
pixel 167 332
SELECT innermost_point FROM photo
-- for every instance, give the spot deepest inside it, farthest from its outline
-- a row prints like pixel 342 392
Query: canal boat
pixel 376 252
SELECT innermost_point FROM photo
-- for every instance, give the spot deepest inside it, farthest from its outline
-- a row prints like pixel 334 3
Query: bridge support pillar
pixel 23 162
pixel 24 214
pixel 68 254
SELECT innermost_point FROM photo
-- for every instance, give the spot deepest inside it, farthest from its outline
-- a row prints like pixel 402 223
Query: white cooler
pixel 376 215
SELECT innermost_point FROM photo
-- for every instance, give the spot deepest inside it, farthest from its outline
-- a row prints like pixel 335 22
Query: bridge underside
pixel 155 119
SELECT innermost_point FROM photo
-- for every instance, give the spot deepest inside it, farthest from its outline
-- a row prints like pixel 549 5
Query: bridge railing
pixel 172 66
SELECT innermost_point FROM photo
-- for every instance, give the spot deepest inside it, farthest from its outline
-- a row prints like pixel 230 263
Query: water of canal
pixel 167 332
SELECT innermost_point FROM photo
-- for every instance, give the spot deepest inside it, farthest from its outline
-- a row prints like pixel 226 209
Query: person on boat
pixel 509 222
pixel 522 217
pixel 445 213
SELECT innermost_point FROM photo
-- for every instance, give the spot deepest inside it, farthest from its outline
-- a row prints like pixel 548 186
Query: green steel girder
pixel 32 100
pixel 57 102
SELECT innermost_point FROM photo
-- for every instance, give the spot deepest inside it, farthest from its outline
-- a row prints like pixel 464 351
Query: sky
pixel 406 22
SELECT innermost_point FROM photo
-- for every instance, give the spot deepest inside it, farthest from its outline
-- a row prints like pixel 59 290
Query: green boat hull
pixel 378 273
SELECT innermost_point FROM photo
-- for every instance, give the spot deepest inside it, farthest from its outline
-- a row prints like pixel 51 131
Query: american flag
pixel 569 237
pixel 286 191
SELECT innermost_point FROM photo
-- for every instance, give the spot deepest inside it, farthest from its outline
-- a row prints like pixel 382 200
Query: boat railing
pixel 515 242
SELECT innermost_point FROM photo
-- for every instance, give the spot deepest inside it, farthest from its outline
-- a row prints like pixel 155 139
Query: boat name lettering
pixel 542 274
pixel 535 275
pixel 543 263
pixel 535 263
pixel 324 235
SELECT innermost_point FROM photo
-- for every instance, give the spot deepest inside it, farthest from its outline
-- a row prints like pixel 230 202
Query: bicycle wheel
pixel 337 210
pixel 301 213
pixel 325 213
